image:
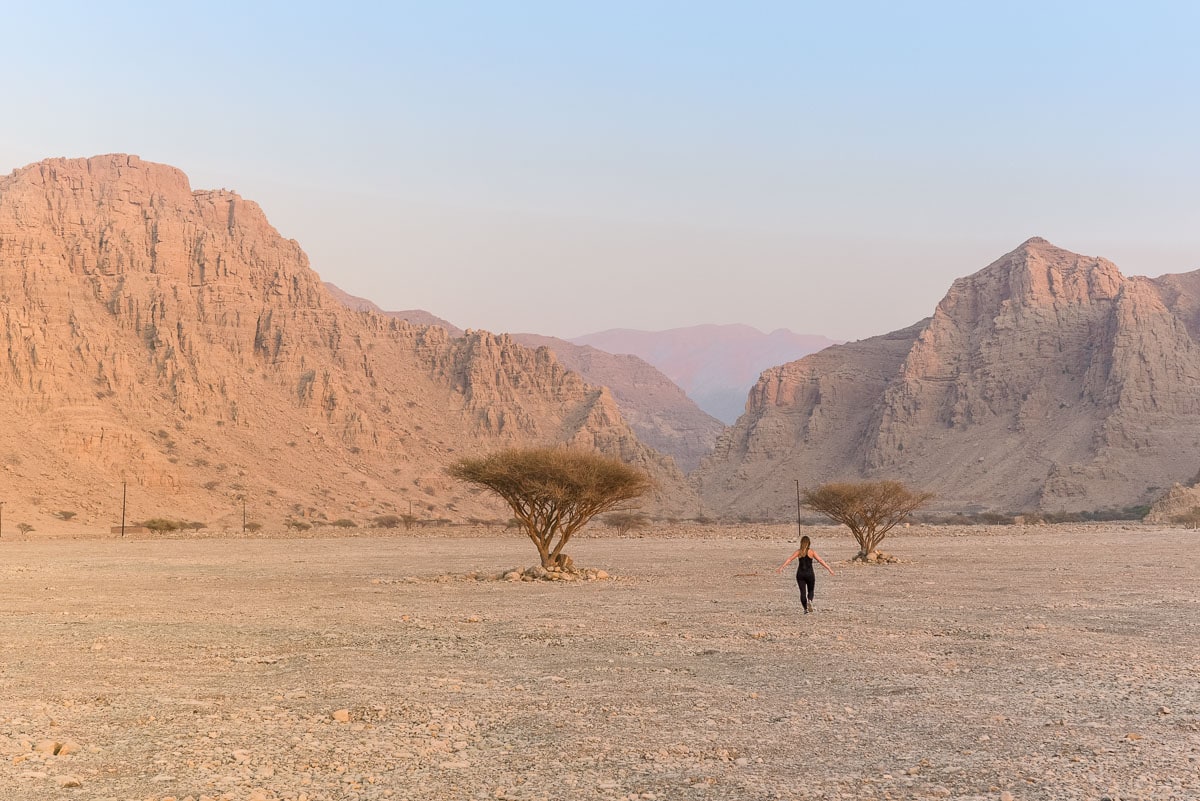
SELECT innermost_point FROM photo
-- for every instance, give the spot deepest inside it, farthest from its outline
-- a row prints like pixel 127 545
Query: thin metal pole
pixel 243 515
pixel 123 508
pixel 799 527
pixel 2 518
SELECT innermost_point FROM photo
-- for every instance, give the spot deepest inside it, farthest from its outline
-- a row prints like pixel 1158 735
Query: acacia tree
pixel 553 492
pixel 869 508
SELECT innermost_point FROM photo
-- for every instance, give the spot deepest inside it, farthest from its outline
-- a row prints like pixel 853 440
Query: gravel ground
pixel 1056 662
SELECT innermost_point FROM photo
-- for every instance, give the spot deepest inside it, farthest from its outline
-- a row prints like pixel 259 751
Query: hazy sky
pixel 566 167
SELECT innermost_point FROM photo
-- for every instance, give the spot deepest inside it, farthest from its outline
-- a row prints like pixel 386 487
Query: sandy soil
pixel 1049 663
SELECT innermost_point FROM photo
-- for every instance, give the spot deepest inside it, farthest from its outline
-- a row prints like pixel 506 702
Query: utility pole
pixel 243 514
pixel 1 518
pixel 123 486
pixel 799 527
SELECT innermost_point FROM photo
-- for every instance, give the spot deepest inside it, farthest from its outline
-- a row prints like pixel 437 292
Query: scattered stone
pixel 341 715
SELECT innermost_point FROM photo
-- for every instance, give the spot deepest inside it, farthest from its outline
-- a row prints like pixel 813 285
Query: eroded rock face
pixel 1045 381
pixel 657 410
pixel 170 339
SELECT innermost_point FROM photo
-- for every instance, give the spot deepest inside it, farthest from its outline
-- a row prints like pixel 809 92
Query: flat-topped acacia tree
pixel 868 508
pixel 553 492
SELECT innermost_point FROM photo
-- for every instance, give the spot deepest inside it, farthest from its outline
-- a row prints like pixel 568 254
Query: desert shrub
pixel 24 528
pixel 625 522
pixel 195 525
pixel 554 491
pixel 161 524
pixel 344 522
pixel 64 515
pixel 211 485
pixel 297 525
pixel 252 527
pixel 1189 519
pixel 870 509
pixel 388 521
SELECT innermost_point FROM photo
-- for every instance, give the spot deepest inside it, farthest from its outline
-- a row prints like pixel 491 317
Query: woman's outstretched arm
pixel 822 561
pixel 789 559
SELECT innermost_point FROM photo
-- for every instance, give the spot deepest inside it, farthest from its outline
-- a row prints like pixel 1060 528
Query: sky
pixel 569 167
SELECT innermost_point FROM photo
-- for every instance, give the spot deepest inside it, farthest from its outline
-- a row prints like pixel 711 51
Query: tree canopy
pixel 869 508
pixel 553 492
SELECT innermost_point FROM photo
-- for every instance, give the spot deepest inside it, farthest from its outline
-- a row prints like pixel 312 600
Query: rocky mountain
pixel 714 364
pixel 657 410
pixel 1046 381
pixel 414 316
pixel 171 340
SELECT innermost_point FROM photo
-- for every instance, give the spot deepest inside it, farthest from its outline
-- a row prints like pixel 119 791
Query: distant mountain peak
pixel 715 364
pixel 1046 380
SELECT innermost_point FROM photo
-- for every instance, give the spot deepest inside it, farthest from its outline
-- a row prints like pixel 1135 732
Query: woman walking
pixel 805 577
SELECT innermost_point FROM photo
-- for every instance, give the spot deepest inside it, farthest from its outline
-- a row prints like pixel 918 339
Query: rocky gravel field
pixel 1052 662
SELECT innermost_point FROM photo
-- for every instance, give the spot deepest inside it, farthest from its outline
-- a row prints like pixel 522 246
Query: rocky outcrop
pixel 171 340
pixel 657 410
pixel 1045 381
pixel 1177 501
pixel 714 364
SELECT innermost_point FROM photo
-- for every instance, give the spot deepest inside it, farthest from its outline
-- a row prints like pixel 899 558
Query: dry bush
pixel 624 522
pixel 160 524
pixel 1189 519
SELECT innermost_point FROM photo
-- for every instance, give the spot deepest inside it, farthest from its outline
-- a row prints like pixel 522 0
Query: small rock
pixel 47 747
pixel 68 781
pixel 341 715
pixel 1164 710
pixel 69 747
pixel 1006 796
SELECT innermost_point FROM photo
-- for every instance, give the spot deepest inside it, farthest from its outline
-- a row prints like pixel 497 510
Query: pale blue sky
pixel 566 167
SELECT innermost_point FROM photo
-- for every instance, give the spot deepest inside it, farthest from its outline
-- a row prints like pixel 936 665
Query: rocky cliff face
pixel 173 341
pixel 1045 381
pixel 657 410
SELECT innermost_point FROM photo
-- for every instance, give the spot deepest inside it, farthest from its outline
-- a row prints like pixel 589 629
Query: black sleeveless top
pixel 804 566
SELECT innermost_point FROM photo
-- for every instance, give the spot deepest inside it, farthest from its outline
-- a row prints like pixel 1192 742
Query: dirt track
pixel 1050 663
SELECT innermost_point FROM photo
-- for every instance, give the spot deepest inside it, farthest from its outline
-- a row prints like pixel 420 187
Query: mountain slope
pixel 414 316
pixel 658 411
pixel 173 341
pixel 1045 381
pixel 714 364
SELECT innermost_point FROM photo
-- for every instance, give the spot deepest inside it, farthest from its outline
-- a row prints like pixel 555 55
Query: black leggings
pixel 807 583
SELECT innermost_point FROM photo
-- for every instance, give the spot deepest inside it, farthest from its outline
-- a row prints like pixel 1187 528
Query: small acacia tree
pixel 553 492
pixel 869 508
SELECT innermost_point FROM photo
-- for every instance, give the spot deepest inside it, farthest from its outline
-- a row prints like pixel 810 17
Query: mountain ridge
pixel 1046 380
pixel 171 340
pixel 714 364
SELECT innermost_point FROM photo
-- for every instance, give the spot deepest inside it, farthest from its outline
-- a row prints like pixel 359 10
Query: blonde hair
pixel 805 542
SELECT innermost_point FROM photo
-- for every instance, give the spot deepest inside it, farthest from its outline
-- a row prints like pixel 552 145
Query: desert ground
pixel 1052 662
